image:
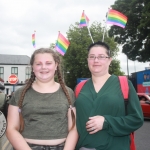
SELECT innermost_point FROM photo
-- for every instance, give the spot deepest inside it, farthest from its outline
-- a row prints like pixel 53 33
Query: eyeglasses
pixel 100 57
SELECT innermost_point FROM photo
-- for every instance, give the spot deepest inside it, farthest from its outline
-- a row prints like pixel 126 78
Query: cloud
pixel 19 19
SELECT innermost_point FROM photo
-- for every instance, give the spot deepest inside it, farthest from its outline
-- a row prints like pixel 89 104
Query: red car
pixel 145 104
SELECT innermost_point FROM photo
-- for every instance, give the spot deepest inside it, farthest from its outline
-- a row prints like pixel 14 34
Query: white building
pixel 14 64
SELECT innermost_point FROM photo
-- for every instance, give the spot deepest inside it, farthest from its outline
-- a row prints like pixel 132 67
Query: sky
pixel 20 18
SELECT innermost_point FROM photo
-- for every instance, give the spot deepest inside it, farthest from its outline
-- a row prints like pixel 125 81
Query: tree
pixel 135 37
pixel 75 60
pixel 52 45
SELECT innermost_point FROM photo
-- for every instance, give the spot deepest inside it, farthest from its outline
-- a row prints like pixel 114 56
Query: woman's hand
pixel 95 124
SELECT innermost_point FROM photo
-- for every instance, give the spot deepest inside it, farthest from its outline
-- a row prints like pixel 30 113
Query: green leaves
pixel 75 59
pixel 135 37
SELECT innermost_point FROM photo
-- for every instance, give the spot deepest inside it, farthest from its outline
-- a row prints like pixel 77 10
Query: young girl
pixel 37 114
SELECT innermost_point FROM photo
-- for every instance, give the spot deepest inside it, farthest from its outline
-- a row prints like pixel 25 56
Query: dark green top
pixel 108 102
pixel 45 114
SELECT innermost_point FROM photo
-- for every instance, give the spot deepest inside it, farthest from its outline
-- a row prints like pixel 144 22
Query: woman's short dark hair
pixel 102 44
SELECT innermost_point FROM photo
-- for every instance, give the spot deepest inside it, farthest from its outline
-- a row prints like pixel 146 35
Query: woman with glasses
pixel 100 110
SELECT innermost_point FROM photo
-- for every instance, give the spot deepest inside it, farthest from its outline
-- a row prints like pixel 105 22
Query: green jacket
pixel 108 102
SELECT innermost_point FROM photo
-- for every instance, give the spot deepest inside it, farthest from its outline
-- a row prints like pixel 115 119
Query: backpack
pixel 125 91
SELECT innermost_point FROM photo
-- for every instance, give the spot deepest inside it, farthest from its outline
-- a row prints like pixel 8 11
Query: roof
pixel 143 71
pixel 14 59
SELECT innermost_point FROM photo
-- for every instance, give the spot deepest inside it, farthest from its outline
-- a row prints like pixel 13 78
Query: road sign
pixel 13 79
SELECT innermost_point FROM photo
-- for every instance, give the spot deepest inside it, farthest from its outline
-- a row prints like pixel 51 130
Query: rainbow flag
pixel 33 39
pixel 84 20
pixel 116 18
pixel 62 44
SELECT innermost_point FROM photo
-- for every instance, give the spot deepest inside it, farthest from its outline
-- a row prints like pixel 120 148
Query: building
pixel 14 64
pixel 141 81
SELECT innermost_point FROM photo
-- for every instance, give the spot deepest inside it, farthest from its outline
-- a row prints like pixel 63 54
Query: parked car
pixel 145 104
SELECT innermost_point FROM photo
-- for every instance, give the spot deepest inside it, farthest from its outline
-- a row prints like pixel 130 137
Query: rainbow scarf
pixel 33 39
pixel 62 44
pixel 116 18
pixel 84 20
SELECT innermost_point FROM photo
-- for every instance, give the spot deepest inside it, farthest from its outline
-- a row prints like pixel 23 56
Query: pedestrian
pixel 3 112
pixel 10 95
pixel 100 110
pixel 37 114
pixel 3 99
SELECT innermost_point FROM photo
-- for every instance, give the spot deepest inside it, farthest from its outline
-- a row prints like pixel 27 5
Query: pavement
pixel 4 143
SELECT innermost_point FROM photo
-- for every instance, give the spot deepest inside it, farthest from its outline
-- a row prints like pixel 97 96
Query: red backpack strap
pixel 125 91
pixel 124 86
pixel 132 143
pixel 79 87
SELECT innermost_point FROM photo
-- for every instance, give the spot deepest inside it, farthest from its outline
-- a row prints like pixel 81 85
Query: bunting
pixel 62 44
pixel 84 21
pixel 116 18
pixel 33 40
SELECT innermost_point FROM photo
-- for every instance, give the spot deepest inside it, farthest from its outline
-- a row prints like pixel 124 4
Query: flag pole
pixel 56 41
pixel 88 27
pixel 104 31
pixel 57 37
pixel 90 34
pixel 105 25
pixel 127 67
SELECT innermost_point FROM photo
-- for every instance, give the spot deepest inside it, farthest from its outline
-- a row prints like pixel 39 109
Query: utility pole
pixel 127 67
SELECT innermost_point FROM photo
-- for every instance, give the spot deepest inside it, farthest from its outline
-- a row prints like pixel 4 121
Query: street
pixel 4 144
pixel 142 138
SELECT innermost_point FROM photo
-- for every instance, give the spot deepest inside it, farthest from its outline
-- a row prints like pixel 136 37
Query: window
pixel 2 72
pixel 14 70
pixel 28 72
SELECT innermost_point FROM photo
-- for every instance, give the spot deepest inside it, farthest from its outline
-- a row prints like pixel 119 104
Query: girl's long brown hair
pixel 32 79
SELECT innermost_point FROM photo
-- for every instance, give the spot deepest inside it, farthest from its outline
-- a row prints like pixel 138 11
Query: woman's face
pixel 44 67
pixel 98 61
